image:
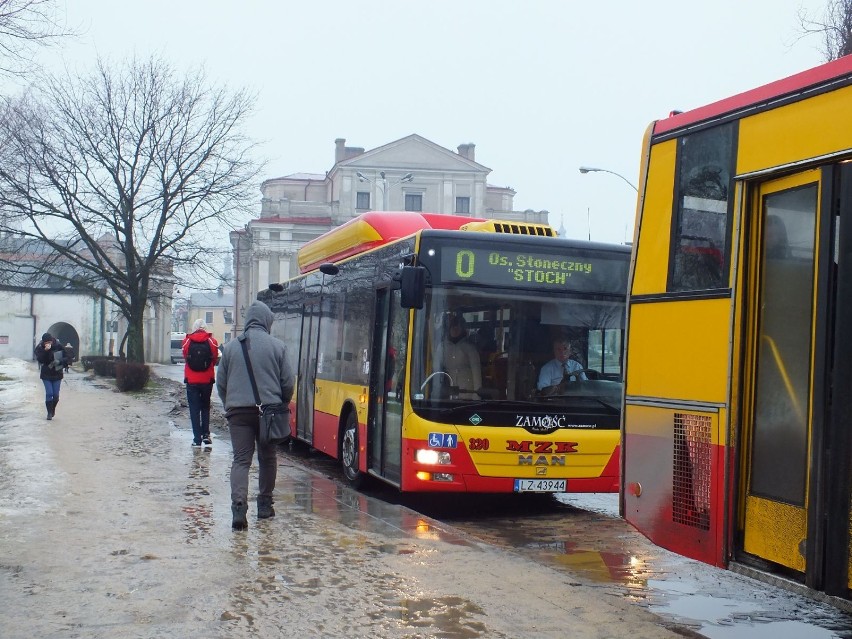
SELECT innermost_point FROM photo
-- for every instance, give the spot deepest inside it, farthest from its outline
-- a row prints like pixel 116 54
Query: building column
pixel 262 281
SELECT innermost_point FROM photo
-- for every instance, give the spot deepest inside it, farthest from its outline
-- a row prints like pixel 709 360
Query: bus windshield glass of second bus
pixel 510 304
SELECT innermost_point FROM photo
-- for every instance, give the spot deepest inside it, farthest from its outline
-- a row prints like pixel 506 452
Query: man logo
pixel 541 470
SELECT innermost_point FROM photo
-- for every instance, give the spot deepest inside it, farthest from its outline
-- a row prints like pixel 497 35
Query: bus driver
pixel 560 367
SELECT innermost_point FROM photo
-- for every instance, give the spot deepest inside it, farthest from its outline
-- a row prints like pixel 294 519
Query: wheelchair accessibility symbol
pixel 443 440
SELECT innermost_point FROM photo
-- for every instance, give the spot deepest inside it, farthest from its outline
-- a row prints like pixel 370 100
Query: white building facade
pixel 91 324
pixel 33 302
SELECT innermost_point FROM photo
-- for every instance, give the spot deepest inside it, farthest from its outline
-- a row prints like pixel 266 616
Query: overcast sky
pixel 540 86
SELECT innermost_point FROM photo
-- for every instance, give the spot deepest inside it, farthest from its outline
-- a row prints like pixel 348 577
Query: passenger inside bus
pixel 460 358
pixel 562 369
pixel 776 243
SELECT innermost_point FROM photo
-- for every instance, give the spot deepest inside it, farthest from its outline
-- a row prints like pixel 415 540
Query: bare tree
pixel 835 27
pixel 117 178
pixel 25 25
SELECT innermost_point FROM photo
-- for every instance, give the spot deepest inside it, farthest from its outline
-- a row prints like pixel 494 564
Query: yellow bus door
pixel 783 225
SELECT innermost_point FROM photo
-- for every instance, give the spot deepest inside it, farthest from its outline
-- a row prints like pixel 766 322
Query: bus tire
pixel 349 451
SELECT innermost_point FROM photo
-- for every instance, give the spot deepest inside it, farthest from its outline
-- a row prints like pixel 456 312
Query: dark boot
pixel 49 410
pixel 239 510
pixel 264 508
pixel 52 408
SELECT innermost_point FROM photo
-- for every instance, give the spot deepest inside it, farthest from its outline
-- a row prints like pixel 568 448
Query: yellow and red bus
pixel 738 399
pixel 367 324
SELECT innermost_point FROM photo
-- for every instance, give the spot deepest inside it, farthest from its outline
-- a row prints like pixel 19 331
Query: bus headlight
pixel 432 457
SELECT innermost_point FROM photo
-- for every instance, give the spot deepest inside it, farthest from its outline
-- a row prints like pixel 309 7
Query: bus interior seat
pixel 775 239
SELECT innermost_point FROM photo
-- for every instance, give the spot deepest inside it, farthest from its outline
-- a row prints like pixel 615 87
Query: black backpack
pixel 198 356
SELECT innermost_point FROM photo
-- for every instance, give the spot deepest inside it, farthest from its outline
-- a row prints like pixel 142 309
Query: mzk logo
pixel 542 453
pixel 541 448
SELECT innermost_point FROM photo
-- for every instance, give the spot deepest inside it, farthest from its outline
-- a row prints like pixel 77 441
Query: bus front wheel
pixel 349 451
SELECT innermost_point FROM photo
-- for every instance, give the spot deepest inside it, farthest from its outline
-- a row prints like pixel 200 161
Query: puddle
pixel 455 617
pixel 770 630
pixel 358 511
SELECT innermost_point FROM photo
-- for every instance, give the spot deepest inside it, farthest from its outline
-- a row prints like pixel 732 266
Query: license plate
pixel 539 485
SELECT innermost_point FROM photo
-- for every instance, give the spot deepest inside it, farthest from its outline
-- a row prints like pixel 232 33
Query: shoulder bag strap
pixel 250 373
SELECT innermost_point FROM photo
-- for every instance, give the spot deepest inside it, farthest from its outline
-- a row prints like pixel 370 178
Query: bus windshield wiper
pixel 494 404
pixel 468 406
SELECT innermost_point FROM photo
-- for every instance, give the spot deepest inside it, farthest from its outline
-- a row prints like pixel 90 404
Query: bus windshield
pixel 496 347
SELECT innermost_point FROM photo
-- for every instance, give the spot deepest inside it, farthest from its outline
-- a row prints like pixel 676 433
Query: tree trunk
pixel 136 338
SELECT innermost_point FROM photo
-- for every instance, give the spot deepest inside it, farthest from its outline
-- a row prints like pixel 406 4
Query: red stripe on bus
pixel 765 93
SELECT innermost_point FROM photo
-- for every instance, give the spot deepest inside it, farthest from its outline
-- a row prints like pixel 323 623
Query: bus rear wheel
pixel 349 451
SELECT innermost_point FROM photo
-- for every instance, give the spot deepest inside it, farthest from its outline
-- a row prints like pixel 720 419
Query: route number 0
pixel 464 264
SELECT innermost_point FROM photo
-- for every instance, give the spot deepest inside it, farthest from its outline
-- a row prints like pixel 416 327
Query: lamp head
pixel 587 169
pixel 407 177
pixel 361 176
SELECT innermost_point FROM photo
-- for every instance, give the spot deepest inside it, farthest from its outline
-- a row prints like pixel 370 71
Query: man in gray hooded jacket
pixel 274 379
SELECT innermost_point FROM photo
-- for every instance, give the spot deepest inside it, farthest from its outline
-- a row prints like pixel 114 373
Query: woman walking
pixel 51 355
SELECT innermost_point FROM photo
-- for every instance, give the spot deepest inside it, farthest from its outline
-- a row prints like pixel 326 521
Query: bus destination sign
pixel 520 268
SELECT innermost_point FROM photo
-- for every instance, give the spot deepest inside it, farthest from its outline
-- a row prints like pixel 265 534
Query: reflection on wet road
pixel 315 507
pixel 581 534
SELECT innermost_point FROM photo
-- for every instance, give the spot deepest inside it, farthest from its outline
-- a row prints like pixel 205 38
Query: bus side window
pixel 701 223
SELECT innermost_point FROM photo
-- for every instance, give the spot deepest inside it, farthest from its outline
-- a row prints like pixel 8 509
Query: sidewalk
pixel 112 526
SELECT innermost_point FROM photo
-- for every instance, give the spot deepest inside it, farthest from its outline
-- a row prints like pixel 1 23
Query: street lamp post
pixel 383 184
pixel 592 169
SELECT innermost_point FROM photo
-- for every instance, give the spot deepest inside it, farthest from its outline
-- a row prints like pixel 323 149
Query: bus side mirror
pixel 412 286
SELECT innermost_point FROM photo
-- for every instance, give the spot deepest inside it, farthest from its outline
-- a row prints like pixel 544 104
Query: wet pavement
pixel 111 526
pixel 583 536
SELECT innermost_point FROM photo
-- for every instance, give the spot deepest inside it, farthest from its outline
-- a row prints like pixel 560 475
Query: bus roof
pixel 834 71
pixel 375 228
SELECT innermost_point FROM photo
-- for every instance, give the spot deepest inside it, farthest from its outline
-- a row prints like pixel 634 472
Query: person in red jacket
pixel 199 374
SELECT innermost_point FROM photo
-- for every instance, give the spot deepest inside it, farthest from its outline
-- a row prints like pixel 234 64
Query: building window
pixel 208 317
pixel 363 200
pixel 228 316
pixel 413 201
pixel 463 205
pixel 226 338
